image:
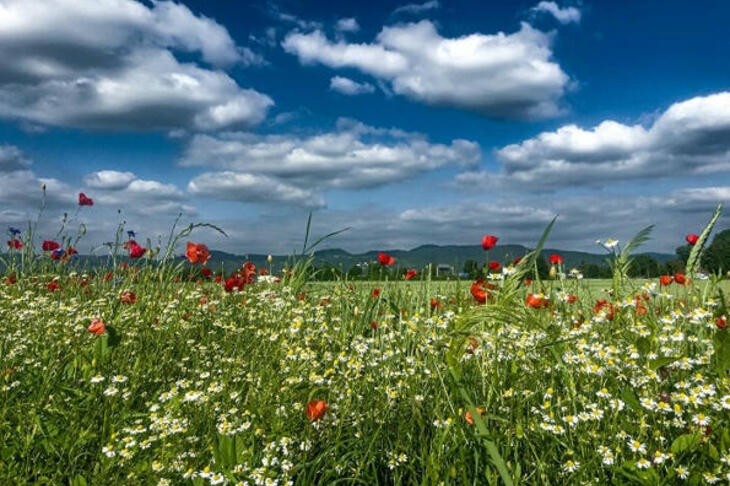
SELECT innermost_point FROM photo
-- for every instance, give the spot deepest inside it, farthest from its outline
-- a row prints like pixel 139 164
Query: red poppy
pixel 231 283
pixel 206 272
pixel 528 282
pixel 721 322
pixel 692 238
pixel 556 259
pixel 71 251
pixel 470 418
pixel 57 254
pixel 17 244
pixel 666 280
pixel 494 266
pixel 517 260
pixel 411 274
pixel 602 304
pixel 375 293
pixel 436 304
pixel 385 259
pixel 572 299
pixel 97 327
pixel 248 272
pixel 136 252
pixel 316 410
pixel 374 325
pixel 11 279
pixel 128 297
pixel 263 271
pixel 128 245
pixel 479 292
pixel 85 201
pixel 50 245
pixel 536 301
pixel 53 286
pixel 489 242
pixel 197 253
pixel 680 278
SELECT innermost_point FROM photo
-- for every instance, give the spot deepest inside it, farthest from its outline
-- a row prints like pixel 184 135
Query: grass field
pixel 298 383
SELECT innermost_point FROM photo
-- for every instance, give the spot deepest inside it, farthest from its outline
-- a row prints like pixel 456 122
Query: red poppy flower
pixel 385 259
pixel 11 279
pixel 85 201
pixel 71 251
pixel 136 252
pixel 57 254
pixel 206 272
pixel 680 278
pixel 572 299
pixel 494 266
pixel 50 245
pixel 374 325
pixel 248 272
pixel 17 244
pixel 231 283
pixel 602 304
pixel 97 327
pixel 479 292
pixel 721 322
pixel 128 245
pixel 375 293
pixel 316 410
pixel 536 301
pixel 436 304
pixel 692 238
pixel 128 297
pixel 517 260
pixel 218 278
pixel 528 282
pixel 197 253
pixel 470 418
pixel 53 286
pixel 489 242
pixel 263 271
pixel 411 274
pixel 666 280
pixel 556 259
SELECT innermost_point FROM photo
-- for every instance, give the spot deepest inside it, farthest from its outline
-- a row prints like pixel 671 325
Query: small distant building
pixel 444 269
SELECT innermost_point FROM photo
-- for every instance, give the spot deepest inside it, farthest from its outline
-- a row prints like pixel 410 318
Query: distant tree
pixel 683 252
pixel 472 268
pixel 354 272
pixel 644 266
pixel 716 257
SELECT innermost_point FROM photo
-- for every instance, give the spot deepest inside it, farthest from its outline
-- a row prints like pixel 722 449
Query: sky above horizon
pixel 411 123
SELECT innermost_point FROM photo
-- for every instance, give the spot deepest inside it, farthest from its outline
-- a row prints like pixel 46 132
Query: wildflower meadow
pixel 157 369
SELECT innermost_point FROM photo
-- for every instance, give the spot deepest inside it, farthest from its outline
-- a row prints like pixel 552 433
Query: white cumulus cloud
pixel 111 64
pixel 349 87
pixel 563 15
pixel 499 75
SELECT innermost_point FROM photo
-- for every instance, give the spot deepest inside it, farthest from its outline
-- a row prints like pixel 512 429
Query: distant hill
pixel 421 256
pixel 418 257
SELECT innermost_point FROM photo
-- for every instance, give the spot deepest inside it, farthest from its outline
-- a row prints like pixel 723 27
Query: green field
pixel 190 384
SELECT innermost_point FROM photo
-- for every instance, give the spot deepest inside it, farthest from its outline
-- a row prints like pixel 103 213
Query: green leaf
pixel 657 363
pixel 630 399
pixel 693 262
pixel 721 357
pixel 685 443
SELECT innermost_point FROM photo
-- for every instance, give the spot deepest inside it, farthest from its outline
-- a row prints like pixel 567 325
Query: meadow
pixel 164 373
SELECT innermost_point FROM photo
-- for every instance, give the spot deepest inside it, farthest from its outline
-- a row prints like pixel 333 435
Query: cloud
pixel 354 156
pixel 119 70
pixel 347 25
pixel 109 179
pixel 349 87
pixel 237 186
pixel 689 138
pixel 563 15
pixel 417 8
pixel 12 159
pixel 498 75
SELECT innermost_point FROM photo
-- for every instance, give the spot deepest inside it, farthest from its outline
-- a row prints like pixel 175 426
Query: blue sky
pixel 413 123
